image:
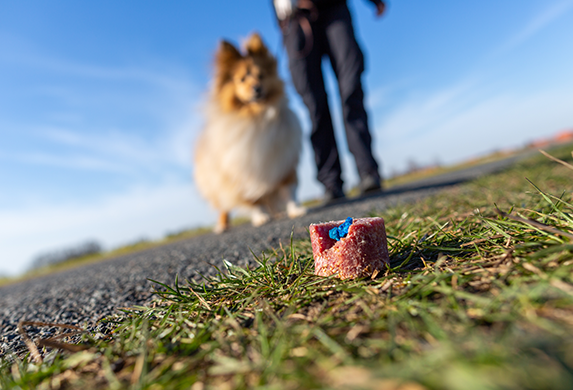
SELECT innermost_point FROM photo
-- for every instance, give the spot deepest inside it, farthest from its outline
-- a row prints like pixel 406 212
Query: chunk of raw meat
pixel 360 253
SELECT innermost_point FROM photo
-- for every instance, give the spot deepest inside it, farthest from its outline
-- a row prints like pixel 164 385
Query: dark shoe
pixel 332 195
pixel 369 185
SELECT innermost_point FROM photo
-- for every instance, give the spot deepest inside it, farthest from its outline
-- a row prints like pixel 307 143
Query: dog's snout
pixel 258 90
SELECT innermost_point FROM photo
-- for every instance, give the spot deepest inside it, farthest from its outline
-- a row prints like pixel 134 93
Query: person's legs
pixel 307 77
pixel 348 64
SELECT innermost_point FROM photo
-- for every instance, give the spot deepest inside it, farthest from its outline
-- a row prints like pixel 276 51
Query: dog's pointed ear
pixel 227 54
pixel 255 46
pixel 225 60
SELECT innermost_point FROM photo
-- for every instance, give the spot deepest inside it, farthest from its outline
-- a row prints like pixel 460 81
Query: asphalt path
pixel 83 295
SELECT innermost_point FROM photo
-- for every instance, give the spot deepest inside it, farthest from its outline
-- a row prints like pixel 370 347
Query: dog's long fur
pixel 247 154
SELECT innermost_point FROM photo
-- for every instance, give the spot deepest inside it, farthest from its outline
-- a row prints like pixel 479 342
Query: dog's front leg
pixel 222 223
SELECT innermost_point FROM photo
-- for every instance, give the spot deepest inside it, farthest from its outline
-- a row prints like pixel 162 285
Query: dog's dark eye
pixel 244 78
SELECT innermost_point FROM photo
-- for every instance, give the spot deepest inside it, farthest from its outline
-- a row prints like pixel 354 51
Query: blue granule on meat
pixel 340 231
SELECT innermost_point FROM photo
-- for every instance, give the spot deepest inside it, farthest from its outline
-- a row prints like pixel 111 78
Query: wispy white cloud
pixel 119 145
pixel 22 53
pixel 535 25
pixel 73 161
pixel 111 151
pixel 419 113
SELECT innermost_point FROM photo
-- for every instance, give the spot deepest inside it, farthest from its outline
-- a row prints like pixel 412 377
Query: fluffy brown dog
pixel 247 154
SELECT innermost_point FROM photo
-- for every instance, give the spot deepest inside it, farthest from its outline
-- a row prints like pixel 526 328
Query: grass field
pixel 479 295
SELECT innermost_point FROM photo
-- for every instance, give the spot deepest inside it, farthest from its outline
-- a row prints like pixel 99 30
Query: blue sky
pixel 100 102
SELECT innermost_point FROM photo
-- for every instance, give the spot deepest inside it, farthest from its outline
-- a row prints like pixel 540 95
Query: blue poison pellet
pixel 340 231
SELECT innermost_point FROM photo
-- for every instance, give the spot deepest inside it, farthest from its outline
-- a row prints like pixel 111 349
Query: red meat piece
pixel 363 251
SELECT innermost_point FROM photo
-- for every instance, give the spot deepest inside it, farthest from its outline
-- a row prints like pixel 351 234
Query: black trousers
pixel 332 36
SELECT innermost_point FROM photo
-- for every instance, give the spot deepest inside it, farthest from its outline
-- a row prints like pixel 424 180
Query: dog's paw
pixel 260 218
pixel 294 210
